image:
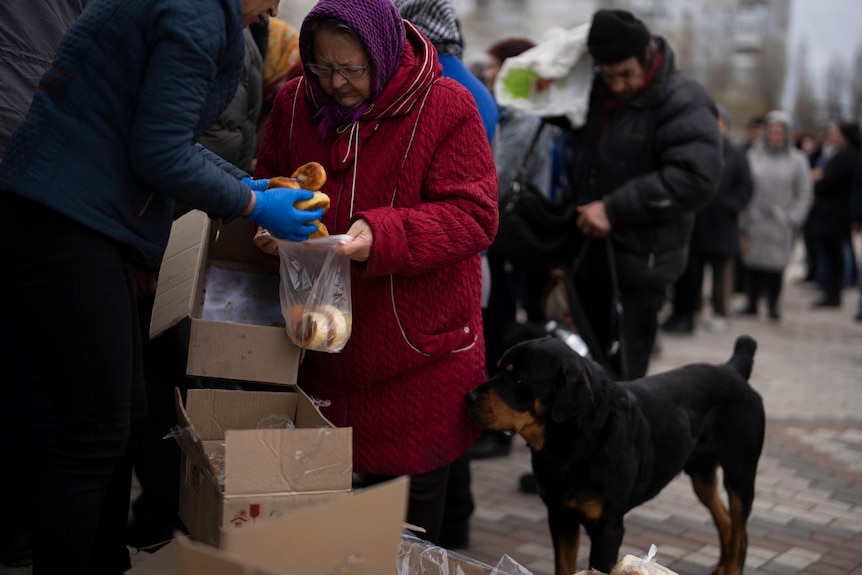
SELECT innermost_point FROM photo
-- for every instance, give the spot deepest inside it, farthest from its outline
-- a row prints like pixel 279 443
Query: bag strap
pixel 579 317
pixel 522 168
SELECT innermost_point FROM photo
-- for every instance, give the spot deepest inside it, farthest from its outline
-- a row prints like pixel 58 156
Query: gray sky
pixel 830 28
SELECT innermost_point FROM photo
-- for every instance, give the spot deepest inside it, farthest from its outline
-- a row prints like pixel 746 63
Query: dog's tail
pixel 742 359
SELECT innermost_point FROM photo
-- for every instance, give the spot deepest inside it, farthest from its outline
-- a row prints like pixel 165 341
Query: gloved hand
pixel 256 185
pixel 274 210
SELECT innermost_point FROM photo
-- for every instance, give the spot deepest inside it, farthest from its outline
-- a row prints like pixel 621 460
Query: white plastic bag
pixel 553 78
pixel 315 293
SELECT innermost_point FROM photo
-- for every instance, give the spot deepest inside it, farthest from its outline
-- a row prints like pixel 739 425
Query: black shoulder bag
pixel 533 231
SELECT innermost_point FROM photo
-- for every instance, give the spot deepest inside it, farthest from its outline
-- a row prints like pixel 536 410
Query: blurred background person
pixel 513 287
pixel 856 223
pixel 829 219
pixel 714 243
pixel 280 65
pixel 779 203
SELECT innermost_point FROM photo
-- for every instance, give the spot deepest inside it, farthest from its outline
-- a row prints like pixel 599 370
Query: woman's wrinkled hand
pixel 359 248
pixel 265 242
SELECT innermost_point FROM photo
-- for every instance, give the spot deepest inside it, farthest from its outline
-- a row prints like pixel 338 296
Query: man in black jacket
pixel 650 156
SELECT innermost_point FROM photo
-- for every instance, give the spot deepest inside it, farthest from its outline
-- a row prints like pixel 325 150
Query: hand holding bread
pixel 310 176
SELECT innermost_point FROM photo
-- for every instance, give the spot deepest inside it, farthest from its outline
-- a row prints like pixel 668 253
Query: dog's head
pixel 541 382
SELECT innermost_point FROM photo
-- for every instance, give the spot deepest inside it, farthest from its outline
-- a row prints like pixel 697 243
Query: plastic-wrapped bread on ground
pixel 645 565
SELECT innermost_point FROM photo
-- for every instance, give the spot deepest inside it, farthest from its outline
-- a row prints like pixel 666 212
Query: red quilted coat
pixel 419 169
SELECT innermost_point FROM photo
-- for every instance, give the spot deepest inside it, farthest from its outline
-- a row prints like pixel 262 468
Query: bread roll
pixel 311 176
pixel 319 200
pixel 313 330
pixel 339 327
pixel 283 182
pixel 325 329
pixel 321 230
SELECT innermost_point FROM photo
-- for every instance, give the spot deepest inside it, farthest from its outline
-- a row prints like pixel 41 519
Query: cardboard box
pixel 358 535
pixel 258 351
pixel 266 472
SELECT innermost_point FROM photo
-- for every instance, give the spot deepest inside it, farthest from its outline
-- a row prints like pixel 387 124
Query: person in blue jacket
pixel 88 182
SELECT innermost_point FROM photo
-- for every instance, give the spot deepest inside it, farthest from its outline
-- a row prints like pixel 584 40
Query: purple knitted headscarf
pixel 381 30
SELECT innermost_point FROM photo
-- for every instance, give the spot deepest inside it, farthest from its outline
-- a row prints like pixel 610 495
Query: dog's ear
pixel 574 398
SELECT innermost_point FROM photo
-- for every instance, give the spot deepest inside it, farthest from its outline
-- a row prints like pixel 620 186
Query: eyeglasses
pixel 348 72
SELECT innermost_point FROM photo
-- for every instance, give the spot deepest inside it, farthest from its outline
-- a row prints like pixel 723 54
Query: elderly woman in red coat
pixel 411 177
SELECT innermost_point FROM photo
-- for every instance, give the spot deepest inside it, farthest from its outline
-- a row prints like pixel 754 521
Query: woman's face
pixel 256 10
pixel 335 51
pixel 776 135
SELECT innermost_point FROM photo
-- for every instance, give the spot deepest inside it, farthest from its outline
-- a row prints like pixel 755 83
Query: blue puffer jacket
pixel 110 138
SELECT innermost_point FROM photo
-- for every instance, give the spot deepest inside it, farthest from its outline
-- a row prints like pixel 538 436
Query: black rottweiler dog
pixel 600 447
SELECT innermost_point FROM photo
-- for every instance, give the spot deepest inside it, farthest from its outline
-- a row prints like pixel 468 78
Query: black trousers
pixel 762 282
pixel 688 289
pixel 830 255
pixel 157 460
pixel 626 341
pixel 426 501
pixel 72 386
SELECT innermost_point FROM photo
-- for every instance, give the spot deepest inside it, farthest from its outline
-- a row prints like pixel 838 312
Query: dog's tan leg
pixel 705 485
pixel 738 543
pixel 566 551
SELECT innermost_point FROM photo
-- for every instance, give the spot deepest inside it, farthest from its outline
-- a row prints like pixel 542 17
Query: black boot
pixel 774 314
pixel 750 309
pixel 679 323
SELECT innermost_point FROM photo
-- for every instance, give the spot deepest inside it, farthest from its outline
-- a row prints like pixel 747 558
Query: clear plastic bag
pixel 419 557
pixel 645 565
pixel 315 293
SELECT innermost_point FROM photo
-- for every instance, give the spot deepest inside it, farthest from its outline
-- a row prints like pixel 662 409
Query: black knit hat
pixel 616 35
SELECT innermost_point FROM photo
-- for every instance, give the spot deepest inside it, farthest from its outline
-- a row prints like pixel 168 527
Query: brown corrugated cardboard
pixel 359 534
pixel 220 349
pixel 266 472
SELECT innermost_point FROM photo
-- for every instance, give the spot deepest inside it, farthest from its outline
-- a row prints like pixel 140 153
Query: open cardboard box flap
pixel 359 534
pixel 219 349
pixel 313 457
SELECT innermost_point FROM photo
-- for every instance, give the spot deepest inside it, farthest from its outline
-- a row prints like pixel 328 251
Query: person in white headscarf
pixel 778 206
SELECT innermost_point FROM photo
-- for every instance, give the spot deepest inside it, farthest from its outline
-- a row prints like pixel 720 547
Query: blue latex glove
pixel 274 210
pixel 256 185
